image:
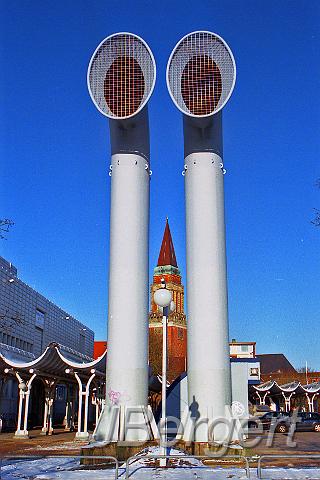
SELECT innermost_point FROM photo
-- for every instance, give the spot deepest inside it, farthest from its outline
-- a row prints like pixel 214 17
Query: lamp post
pixel 163 298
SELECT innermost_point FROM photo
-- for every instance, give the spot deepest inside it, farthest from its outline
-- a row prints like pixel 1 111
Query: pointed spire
pixel 167 255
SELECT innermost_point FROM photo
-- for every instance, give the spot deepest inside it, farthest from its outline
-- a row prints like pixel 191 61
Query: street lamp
pixel 163 298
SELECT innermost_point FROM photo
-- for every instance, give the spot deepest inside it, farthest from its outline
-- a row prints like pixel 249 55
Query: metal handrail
pixel 80 457
pixel 208 457
pixel 282 456
pixel 129 461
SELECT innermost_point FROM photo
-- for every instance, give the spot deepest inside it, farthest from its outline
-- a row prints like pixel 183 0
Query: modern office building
pixel 29 321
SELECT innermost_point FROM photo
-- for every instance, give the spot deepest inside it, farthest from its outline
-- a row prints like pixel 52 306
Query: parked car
pixel 306 421
pixel 270 418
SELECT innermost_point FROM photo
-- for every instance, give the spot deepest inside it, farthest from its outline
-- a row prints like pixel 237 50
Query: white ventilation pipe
pixel 121 78
pixel 201 75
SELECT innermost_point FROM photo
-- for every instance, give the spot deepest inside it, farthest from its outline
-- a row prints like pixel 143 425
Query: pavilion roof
pixel 53 362
pixel 273 387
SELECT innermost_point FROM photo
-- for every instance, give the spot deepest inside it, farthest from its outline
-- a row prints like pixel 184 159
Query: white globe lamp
pixel 162 297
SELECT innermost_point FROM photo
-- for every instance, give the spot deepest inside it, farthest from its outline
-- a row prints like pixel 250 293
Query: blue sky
pixel 55 155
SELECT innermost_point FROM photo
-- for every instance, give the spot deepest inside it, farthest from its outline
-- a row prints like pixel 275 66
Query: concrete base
pixel 82 436
pixel 124 450
pixel 121 450
pixel 69 429
pixel 205 448
pixel 21 435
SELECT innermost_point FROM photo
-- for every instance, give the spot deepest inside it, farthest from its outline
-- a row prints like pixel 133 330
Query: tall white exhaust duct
pixel 121 78
pixel 201 75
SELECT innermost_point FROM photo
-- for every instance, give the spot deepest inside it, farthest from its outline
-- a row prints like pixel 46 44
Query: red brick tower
pixel 167 268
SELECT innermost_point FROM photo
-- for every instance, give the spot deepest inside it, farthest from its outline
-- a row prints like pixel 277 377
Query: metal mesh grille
pixel 121 75
pixel 201 74
pixel 201 85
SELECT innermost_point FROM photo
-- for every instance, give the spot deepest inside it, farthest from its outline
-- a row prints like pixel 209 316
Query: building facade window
pixel 82 342
pixel 40 319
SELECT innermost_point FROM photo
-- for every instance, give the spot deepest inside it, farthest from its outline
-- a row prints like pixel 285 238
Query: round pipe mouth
pixel 201 74
pixel 121 75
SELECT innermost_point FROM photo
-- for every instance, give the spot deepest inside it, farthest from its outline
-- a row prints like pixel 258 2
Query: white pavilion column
pixel 86 402
pixel 44 429
pixel 50 416
pixel 83 407
pixel 73 409
pixel 96 404
pixel 24 398
pixel 311 400
pixel 50 387
pixel 262 399
pixel 27 400
pixel 79 433
pixel 69 415
pixel 98 400
pixel 287 400
pixel 20 409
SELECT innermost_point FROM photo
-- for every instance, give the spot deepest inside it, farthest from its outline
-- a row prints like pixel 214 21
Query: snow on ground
pixel 144 469
pixel 56 469
pixel 61 446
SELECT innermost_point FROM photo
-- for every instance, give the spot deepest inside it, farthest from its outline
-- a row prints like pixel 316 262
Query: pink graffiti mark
pixel 114 397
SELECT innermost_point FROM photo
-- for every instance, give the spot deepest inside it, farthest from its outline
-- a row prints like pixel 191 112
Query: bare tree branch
pixel 316 220
pixel 5 224
pixel 303 369
pixel 10 319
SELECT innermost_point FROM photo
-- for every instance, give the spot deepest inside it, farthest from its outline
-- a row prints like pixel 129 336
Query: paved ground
pixel 61 442
pixel 305 442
